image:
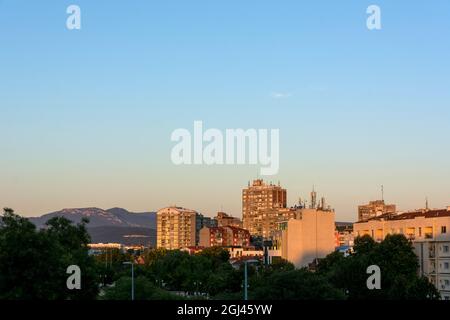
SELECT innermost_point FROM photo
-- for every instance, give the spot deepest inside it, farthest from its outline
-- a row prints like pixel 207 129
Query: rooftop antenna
pixel 313 198
pixel 426 203
pixel 382 192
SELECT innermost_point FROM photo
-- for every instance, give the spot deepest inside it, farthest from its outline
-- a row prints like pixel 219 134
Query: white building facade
pixel 429 232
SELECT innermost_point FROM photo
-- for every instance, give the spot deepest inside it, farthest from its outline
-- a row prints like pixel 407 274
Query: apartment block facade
pixel 177 227
pixel 224 220
pixel 429 231
pixel 227 236
pixel 374 209
pixel 261 203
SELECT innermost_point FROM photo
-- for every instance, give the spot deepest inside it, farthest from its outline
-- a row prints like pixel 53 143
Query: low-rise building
pixel 344 234
pixel 429 231
pixel 224 237
pixel 99 248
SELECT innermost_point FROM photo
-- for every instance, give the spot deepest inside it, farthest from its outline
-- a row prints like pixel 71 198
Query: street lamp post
pixel 132 278
pixel 245 282
pixel 197 283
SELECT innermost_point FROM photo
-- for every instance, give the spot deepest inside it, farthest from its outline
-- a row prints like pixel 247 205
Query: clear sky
pixel 86 115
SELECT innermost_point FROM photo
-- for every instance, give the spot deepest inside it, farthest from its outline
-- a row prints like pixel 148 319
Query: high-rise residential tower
pixel 177 228
pixel 260 204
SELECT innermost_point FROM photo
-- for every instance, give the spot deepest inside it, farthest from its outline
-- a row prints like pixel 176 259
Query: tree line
pixel 33 265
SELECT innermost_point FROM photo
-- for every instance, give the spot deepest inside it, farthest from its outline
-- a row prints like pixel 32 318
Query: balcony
pixel 432 251
pixel 432 269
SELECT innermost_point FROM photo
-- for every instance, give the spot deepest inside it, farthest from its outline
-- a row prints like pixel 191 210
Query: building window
pixel 446 265
pixel 446 249
pixel 444 229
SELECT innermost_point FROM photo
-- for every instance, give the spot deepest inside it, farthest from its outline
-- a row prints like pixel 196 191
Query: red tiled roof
pixel 413 214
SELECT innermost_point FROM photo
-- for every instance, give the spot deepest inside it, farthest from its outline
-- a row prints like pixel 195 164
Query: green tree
pixel 217 255
pixel 398 265
pixel 207 272
pixel 70 247
pixel 144 289
pixel 33 262
pixel 299 284
pixel 327 264
pixel 110 265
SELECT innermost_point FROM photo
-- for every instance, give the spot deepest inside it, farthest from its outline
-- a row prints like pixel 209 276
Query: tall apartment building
pixel 260 203
pixel 308 236
pixel 374 209
pixel 177 228
pixel 429 231
pixel 226 236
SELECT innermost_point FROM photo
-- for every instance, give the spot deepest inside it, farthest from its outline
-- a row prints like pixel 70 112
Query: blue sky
pixel 87 114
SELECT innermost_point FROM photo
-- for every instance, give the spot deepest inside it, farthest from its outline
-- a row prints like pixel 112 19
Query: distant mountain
pixel 142 219
pixel 117 217
pixel 113 225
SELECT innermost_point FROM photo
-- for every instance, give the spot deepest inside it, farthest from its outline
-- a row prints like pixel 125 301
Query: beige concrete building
pixel 374 209
pixel 429 231
pixel 260 204
pixel 225 220
pixel 309 236
pixel 177 228
pixel 269 220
